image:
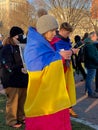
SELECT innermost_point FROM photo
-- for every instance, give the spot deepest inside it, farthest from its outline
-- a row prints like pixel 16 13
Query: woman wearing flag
pixel 48 100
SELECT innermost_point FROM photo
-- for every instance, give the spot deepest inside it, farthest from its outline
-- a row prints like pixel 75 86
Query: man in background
pixel 91 62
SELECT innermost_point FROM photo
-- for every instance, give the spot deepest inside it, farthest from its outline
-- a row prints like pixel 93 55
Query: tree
pixel 20 13
pixel 22 16
pixel 4 16
pixel 93 15
pixel 71 11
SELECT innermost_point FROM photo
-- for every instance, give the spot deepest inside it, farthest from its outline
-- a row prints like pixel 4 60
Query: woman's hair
pixel 66 26
pixel 85 36
pixel 8 40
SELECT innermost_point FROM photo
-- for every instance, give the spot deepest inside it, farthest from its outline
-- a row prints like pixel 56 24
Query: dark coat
pixel 91 54
pixel 11 71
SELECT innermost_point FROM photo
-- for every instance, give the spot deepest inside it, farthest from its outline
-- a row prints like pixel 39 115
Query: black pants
pixel 78 66
pixel 81 69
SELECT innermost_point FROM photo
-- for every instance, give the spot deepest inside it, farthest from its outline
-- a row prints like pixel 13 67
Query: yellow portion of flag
pixel 70 84
pixel 47 92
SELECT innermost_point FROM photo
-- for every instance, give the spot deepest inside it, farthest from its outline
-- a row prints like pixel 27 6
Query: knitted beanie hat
pixel 46 23
pixel 15 31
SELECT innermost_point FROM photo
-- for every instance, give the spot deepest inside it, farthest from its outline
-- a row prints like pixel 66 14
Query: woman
pixel 47 101
pixel 14 78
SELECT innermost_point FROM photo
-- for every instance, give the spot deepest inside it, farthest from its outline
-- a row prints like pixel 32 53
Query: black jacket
pixel 12 64
pixel 91 54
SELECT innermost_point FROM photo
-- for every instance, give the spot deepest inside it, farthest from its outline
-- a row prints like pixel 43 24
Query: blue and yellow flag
pixel 47 92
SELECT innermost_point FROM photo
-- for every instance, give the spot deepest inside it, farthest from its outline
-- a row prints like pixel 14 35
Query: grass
pixel 75 125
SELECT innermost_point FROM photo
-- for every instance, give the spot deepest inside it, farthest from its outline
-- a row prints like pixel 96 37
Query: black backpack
pixel 81 54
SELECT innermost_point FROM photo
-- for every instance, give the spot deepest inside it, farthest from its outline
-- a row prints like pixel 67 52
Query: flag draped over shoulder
pixel 70 84
pixel 59 42
pixel 47 92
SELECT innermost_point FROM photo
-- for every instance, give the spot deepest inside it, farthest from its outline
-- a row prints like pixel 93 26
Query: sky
pixel 29 0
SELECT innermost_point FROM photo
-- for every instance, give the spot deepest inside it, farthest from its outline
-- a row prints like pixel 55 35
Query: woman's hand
pixel 66 54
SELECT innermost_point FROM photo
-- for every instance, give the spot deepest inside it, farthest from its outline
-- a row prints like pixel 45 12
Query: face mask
pixel 22 38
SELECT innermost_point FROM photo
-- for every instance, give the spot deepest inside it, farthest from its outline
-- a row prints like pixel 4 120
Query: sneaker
pixel 17 125
pixel 22 122
pixel 72 113
pixel 92 95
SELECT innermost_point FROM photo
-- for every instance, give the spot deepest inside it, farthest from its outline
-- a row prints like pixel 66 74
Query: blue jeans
pixel 89 78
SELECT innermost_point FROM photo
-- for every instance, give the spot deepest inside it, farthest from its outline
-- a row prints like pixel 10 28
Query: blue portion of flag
pixel 38 51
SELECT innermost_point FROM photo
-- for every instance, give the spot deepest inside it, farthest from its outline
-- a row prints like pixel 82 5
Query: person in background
pixel 62 42
pixel 47 101
pixel 1 38
pixel 14 78
pixel 85 36
pixel 41 12
pixel 96 77
pixel 80 56
pixel 91 62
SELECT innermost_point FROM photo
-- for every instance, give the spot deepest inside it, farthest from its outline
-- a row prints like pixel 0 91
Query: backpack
pixel 81 54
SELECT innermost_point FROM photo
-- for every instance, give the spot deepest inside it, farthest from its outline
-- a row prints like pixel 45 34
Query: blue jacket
pixel 61 43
